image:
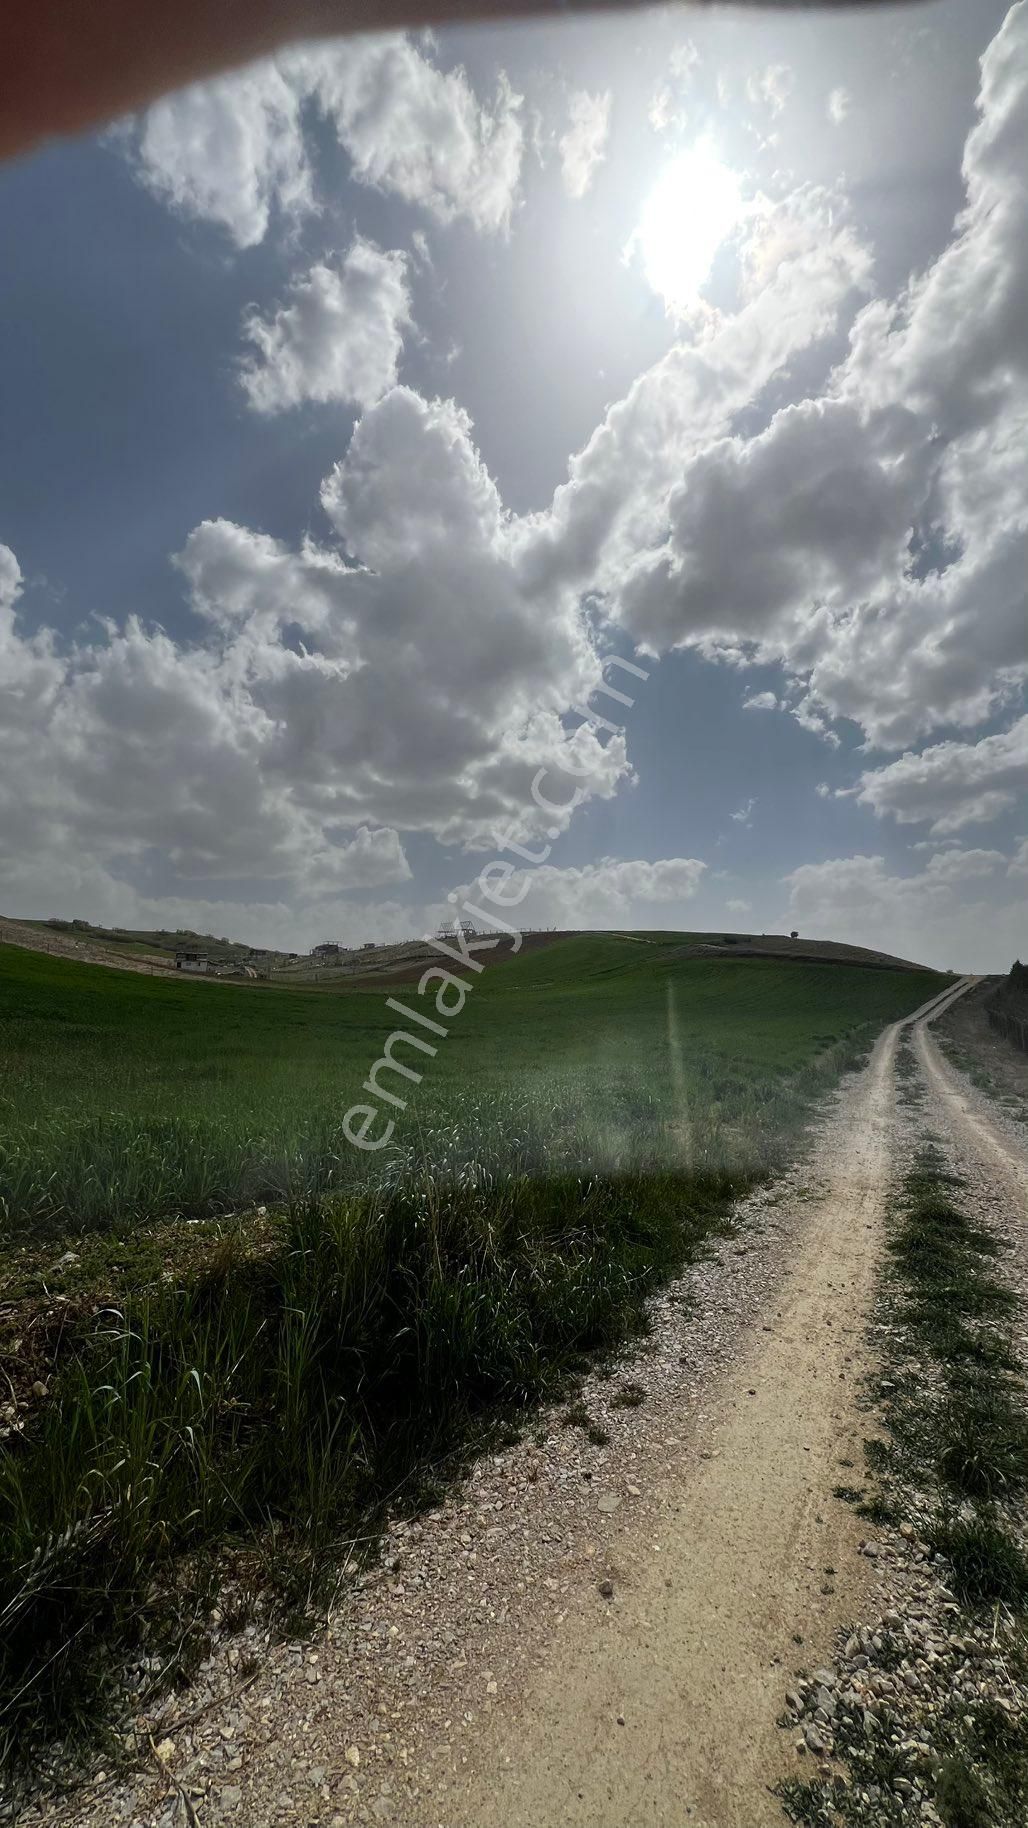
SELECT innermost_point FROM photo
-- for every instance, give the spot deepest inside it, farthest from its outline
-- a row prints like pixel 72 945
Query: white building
pixel 190 960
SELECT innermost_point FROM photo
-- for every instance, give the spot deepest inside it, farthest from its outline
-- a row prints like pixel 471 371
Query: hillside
pixel 153 952
pixel 128 1094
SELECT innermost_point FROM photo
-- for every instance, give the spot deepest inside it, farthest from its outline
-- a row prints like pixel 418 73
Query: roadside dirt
pixel 583 1633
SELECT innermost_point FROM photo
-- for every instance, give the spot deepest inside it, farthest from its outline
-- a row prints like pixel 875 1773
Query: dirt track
pixel 691 1656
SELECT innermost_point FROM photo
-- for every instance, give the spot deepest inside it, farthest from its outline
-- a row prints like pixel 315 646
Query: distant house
pixel 188 959
pixel 331 949
pixel 368 946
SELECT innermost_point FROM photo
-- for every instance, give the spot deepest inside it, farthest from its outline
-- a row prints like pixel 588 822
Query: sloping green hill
pixel 125 1097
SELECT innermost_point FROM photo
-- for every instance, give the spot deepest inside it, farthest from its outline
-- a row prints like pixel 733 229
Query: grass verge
pixel 949 1741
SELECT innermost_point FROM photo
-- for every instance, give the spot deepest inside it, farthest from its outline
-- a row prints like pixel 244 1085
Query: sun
pixel 692 208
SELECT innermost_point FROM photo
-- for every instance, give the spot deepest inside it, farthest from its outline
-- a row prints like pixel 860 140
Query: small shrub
pixel 960 1797
pixel 987 1563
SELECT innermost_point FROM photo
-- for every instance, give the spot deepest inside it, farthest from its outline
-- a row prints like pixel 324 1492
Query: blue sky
pixel 356 405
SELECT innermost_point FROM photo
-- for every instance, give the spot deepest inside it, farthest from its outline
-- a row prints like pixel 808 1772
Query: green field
pixel 207 1390
pixel 127 1098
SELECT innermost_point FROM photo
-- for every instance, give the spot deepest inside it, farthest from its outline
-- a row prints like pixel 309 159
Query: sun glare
pixel 691 209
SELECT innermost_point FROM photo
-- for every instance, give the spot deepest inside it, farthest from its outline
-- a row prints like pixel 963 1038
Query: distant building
pixel 368 946
pixel 190 960
pixel 330 949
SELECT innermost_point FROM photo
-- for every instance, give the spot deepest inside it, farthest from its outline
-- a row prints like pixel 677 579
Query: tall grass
pixel 254 1418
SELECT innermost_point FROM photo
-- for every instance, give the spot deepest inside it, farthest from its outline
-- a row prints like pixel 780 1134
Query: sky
pixel 363 410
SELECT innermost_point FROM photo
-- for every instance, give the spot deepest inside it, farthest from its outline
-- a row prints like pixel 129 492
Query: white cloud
pixel 669 109
pixel 419 131
pixel 743 814
pixel 399 680
pixel 838 105
pixel 951 914
pixel 771 87
pixel 738 906
pixel 760 528
pixel 10 583
pixel 228 151
pixel 614 506
pixel 609 893
pixel 232 150
pixel 954 865
pixel 760 701
pixel 583 146
pixel 339 337
pixel 952 784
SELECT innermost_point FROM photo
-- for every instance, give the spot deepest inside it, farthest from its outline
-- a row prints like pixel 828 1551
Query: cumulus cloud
pixel 419 131
pixel 760 528
pixel 398 678
pixel 156 761
pixel 30 683
pixel 228 151
pixel 669 109
pixel 609 517
pixel 952 784
pixel 339 337
pixel 10 584
pixel 583 145
pixel 609 893
pixel 771 87
pixel 428 682
pixel 951 914
pixel 838 105
pixel 232 150
pixel 874 537
pixel 760 701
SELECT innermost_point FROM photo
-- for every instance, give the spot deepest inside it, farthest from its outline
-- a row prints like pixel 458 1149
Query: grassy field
pixel 206 1397
pixel 125 1098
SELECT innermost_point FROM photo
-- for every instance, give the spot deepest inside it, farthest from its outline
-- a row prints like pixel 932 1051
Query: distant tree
pixel 794 934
